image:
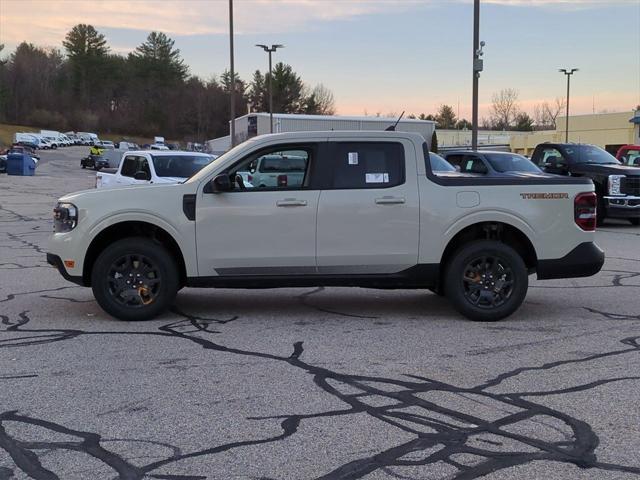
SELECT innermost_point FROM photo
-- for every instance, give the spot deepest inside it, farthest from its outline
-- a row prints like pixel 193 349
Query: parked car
pixel 3 163
pixel 369 213
pixel 617 185
pixel 153 167
pixel 277 169
pixel 629 155
pixel 87 138
pixel 104 144
pixel 489 163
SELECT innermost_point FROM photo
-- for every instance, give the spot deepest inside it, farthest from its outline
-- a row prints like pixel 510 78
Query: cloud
pixel 45 22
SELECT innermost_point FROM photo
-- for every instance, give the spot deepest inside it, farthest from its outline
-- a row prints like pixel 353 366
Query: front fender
pixel 184 238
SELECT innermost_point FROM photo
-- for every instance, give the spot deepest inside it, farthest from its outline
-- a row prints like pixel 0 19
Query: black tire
pixel 492 263
pixel 144 263
pixel 84 166
pixel 635 221
pixel 436 291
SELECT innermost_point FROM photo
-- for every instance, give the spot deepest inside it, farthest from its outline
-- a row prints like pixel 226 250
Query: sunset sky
pixel 378 55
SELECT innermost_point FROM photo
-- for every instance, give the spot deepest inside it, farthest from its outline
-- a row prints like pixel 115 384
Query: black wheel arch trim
pixel 584 260
pixel 56 261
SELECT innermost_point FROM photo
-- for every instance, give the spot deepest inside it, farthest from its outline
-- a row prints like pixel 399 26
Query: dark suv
pixel 617 185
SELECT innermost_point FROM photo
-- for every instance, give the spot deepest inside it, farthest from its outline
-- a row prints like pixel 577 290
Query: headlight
pixel 65 217
pixel 615 181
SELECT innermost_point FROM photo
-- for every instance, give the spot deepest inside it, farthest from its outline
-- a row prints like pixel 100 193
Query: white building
pixel 254 124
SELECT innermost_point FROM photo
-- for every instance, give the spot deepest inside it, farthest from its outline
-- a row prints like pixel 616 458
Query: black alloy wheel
pixel 135 279
pixel 486 280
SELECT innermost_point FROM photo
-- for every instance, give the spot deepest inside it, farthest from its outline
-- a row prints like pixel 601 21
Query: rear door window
pixel 549 157
pixel 364 165
pixel 473 164
pixel 129 166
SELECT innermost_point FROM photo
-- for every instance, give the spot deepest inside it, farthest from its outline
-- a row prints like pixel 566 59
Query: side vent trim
pixel 189 206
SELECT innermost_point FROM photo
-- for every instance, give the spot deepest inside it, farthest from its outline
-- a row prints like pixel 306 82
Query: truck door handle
pixel 390 200
pixel 291 202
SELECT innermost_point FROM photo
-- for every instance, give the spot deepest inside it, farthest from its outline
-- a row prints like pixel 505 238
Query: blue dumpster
pixel 20 164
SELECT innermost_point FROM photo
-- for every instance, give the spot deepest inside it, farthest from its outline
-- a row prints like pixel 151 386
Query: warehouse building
pixel 607 130
pixel 253 124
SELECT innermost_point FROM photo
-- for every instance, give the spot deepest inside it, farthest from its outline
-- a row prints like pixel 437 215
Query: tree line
pixel 504 114
pixel 150 91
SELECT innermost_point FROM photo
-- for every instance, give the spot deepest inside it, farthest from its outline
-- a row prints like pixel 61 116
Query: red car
pixel 629 155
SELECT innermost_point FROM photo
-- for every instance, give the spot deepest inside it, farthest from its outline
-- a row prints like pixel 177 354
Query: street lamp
pixel 232 112
pixel 270 50
pixel 477 68
pixel 568 73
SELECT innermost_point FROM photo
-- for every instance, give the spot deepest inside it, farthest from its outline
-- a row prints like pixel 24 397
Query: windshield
pixel 511 162
pixel 590 154
pixel 631 157
pixel 183 166
pixel 439 164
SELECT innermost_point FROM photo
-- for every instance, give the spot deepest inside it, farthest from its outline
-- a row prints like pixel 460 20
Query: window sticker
pixel 469 164
pixel 376 178
pixel 353 158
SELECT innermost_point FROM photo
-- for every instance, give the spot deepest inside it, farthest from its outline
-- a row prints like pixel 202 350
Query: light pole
pixel 477 68
pixel 568 73
pixel 233 78
pixel 270 50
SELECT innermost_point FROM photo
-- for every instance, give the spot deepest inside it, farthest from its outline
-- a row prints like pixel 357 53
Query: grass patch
pixel 8 131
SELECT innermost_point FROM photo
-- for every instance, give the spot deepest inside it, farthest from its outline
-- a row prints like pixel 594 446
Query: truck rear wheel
pixel 135 279
pixel 486 280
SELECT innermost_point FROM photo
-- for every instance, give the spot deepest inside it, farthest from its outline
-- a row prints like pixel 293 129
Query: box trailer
pixel 254 124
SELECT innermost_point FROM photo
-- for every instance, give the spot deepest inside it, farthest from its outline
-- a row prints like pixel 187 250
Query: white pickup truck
pixel 152 167
pixel 368 211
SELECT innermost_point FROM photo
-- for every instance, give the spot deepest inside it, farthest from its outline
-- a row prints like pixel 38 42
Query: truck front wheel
pixel 135 279
pixel 486 280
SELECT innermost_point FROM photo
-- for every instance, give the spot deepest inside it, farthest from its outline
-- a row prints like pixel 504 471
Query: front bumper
pixel 56 261
pixel 583 261
pixel 627 206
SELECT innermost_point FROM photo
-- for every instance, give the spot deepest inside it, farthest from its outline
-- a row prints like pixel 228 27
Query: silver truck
pixel 368 212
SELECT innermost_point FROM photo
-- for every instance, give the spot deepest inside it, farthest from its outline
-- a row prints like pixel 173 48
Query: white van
pixel 87 138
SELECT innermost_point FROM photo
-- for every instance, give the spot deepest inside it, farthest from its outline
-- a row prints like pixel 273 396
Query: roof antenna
pixel 392 128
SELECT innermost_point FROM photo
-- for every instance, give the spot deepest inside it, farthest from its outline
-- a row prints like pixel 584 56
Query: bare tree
pixel 545 113
pixel 554 110
pixel 325 101
pixel 504 108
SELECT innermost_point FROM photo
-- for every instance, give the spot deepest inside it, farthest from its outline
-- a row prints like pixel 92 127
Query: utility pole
pixel 233 78
pixel 270 51
pixel 477 68
pixel 568 73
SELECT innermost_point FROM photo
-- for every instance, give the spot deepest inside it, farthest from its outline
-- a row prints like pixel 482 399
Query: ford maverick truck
pixel 368 211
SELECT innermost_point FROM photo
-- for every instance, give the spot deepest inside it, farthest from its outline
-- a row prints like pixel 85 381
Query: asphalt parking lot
pixel 309 383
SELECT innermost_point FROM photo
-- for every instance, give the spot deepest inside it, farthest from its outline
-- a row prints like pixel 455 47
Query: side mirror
pixel 221 183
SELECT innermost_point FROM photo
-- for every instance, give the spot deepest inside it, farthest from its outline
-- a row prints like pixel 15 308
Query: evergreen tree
pixel 434 142
pixel 86 48
pixel 446 117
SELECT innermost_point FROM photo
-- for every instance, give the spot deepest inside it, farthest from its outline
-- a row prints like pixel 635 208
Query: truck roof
pixel 159 153
pixel 338 134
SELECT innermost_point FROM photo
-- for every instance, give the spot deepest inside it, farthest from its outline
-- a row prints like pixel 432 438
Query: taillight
pixel 584 207
pixel 249 178
pixel 282 180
